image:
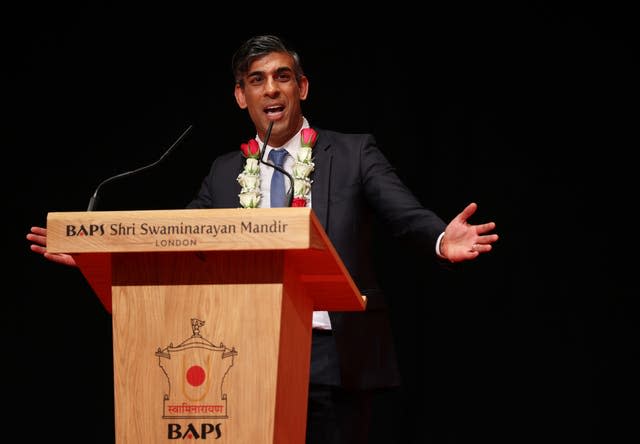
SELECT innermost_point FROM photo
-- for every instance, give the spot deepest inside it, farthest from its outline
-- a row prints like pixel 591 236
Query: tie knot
pixel 278 156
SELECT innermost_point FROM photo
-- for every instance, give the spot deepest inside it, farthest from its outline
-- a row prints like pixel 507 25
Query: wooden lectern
pixel 211 314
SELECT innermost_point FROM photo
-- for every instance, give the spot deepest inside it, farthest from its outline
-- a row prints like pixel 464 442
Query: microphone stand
pixel 94 199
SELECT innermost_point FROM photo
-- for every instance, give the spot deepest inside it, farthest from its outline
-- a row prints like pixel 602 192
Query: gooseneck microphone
pixel 94 199
pixel 275 167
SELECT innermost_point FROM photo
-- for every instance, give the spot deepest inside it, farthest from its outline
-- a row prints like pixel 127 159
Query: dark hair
pixel 257 47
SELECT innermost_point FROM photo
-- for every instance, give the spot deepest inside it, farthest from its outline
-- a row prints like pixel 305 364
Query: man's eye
pixel 256 80
pixel 283 77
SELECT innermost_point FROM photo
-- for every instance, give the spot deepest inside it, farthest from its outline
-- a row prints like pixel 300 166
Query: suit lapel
pixel 321 177
pixel 227 196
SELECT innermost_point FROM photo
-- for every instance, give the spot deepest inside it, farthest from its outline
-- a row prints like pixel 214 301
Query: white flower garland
pixel 249 178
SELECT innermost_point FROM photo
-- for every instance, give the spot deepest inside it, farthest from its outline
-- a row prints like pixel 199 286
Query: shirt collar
pixel 292 145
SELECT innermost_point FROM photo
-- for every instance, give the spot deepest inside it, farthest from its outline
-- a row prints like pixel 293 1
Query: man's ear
pixel 303 84
pixel 240 99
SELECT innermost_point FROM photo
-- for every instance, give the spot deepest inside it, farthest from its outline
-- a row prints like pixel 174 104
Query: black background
pixel 528 110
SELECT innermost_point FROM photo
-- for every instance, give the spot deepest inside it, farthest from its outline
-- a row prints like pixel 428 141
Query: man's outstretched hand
pixel 38 239
pixel 463 241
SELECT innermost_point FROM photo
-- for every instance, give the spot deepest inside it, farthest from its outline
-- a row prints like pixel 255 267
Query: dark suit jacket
pixel 352 182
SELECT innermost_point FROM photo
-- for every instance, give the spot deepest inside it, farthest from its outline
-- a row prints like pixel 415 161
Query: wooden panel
pixel 152 325
pixel 326 280
pixel 293 362
pixel 96 268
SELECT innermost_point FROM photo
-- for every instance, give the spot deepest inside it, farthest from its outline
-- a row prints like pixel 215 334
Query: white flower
pixel 249 182
pixel 304 154
pixel 252 166
pixel 250 199
pixel 301 187
pixel 302 170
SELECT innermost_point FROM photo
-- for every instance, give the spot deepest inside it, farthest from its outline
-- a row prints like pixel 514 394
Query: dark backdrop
pixel 527 110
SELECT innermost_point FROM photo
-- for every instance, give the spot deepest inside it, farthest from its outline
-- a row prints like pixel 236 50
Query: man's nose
pixel 271 86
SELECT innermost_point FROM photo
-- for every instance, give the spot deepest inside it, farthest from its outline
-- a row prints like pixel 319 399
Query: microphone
pixel 275 167
pixel 94 199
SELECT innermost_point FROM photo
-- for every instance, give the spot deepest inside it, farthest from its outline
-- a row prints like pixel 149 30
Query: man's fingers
pixel 485 228
pixel 468 211
pixel 40 240
pixel 38 249
pixel 39 231
pixel 487 239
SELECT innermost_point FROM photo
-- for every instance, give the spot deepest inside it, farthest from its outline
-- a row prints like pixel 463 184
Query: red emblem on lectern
pixel 195 371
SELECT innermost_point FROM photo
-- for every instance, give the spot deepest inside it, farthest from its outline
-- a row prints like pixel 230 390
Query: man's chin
pixel 278 122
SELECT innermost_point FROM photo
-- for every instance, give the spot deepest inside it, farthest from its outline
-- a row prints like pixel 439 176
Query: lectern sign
pixel 179 230
pixel 195 371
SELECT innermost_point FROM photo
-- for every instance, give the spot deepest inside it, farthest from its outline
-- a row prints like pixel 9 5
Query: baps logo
pixel 175 431
pixel 88 230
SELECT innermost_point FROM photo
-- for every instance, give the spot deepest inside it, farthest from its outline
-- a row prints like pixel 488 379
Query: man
pixel 352 352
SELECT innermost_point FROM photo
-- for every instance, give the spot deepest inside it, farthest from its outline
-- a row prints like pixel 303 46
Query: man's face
pixel 271 93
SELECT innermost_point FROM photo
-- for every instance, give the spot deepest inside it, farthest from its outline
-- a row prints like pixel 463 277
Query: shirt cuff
pixel 438 246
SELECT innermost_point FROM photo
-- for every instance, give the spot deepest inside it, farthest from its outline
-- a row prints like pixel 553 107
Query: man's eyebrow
pixel 278 71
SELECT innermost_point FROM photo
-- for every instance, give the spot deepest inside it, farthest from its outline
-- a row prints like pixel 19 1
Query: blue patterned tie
pixel 278 195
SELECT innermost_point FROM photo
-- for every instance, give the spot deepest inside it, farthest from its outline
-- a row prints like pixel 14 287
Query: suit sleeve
pixel 204 197
pixel 393 202
pixel 220 188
